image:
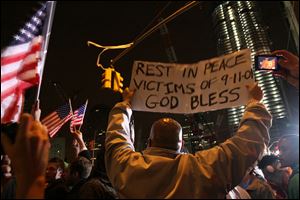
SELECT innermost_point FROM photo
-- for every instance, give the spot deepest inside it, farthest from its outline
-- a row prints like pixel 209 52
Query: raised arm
pixel 119 143
pixel 79 145
pixel 229 161
pixel 289 67
pixel 29 156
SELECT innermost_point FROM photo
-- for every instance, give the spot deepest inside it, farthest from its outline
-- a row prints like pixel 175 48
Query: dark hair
pixel 267 160
pixel 59 161
pixel 82 166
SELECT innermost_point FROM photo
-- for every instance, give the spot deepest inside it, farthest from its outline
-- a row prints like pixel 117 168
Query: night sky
pixel 72 64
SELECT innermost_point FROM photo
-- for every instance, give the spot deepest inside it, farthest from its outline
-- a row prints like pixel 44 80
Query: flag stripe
pixel 48 117
pixel 58 124
pixel 34 47
pixel 52 122
pixel 15 49
pixel 55 120
pixel 13 108
pixel 12 59
pixel 78 117
pixel 54 131
pixel 19 65
pixel 9 76
pixel 8 69
pixel 8 86
pixel 30 76
pixel 11 90
pixel 29 62
pixel 56 128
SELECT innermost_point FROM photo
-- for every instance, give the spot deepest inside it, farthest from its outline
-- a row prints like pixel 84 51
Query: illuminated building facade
pixel 239 25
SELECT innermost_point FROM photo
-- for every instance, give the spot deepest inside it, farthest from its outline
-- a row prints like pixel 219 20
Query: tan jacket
pixel 163 173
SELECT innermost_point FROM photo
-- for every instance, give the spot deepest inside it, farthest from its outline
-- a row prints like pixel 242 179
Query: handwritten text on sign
pixel 190 88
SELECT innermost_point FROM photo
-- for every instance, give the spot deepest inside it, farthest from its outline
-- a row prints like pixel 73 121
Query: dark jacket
pixel 56 190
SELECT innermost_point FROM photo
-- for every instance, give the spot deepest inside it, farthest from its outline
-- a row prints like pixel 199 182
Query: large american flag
pixel 78 117
pixel 19 66
pixel 55 120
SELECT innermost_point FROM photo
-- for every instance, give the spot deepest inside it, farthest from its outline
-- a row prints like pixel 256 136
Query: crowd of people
pixel 237 168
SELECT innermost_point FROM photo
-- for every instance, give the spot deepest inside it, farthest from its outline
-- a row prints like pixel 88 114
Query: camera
pixel 267 62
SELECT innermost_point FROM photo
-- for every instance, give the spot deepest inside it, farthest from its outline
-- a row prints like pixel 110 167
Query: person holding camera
pixel 289 67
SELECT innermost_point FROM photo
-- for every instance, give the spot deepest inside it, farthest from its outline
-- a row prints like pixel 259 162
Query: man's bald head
pixel 166 133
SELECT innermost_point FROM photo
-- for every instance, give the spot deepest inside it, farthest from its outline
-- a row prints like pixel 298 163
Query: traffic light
pixel 112 79
pixel 107 78
pixel 118 82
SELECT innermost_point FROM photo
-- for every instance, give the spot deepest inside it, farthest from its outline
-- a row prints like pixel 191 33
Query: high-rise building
pixel 198 132
pixel 239 25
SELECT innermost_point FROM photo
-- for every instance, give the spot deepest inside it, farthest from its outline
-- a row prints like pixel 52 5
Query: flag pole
pixel 70 104
pixel 46 34
pixel 84 113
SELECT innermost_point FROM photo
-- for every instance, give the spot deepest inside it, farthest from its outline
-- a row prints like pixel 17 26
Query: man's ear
pixel 270 169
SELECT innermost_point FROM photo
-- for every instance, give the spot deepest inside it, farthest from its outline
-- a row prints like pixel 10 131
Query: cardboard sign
pixel 207 85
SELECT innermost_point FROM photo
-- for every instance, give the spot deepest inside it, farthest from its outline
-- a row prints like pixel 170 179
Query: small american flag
pixel 57 119
pixel 19 66
pixel 78 117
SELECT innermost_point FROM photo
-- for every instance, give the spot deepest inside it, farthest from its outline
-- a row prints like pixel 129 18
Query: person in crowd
pixel 238 193
pixel 276 176
pixel 79 145
pixel 65 181
pixel 98 185
pixel 55 187
pixel 5 167
pixel 55 169
pixel 289 67
pixel 289 157
pixel 29 157
pixel 256 185
pixel 10 129
pixel 161 171
pixel 79 171
pixel 8 181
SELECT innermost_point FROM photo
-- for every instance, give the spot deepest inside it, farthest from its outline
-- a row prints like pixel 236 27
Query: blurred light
pixel 277 152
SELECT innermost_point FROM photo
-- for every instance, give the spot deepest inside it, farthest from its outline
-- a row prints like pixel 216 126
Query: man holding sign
pixel 161 171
